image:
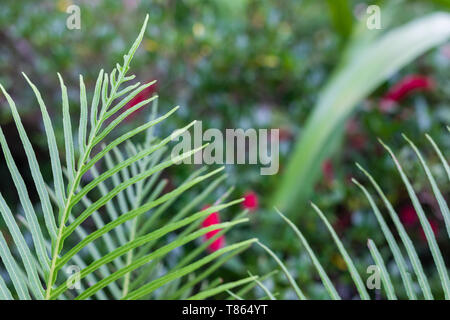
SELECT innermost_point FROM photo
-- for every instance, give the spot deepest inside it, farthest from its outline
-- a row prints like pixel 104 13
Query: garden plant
pixel 94 205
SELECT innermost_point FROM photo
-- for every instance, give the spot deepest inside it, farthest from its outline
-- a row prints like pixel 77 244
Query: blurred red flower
pixel 328 171
pixel 402 88
pixel 408 215
pixel 434 226
pixel 210 220
pixel 250 201
pixel 344 220
pixel 141 96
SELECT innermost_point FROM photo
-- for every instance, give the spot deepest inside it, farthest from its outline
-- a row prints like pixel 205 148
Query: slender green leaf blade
pixel 53 148
pixel 441 156
pixel 82 129
pixel 351 266
pixel 19 183
pixel 12 267
pixel 388 286
pixel 150 287
pixel 34 168
pixel 323 275
pixel 5 294
pixel 412 254
pixel 437 193
pixel 24 251
pixel 67 124
pixel 434 248
pixel 224 287
pixel 398 256
pixel 291 280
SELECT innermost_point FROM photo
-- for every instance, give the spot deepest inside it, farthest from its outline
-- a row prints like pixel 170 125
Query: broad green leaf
pixel 374 63
pixel 341 16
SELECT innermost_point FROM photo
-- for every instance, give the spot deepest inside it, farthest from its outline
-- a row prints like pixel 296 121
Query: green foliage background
pixel 239 63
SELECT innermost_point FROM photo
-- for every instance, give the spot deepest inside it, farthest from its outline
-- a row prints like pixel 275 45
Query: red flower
pixel 250 201
pixel 402 88
pixel 210 220
pixel 141 96
pixel 344 220
pixel 328 171
pixel 408 215
pixel 434 226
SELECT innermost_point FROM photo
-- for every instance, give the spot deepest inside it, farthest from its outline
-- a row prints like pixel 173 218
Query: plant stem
pixel 67 206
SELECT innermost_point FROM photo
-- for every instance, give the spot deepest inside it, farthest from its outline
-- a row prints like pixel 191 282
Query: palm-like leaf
pixel 400 260
pixel 123 241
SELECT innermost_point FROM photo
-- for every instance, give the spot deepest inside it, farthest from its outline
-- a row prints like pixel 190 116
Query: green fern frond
pixel 122 240
pixel 395 247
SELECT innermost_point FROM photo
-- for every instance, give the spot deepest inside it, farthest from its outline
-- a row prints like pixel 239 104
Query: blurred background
pixel 244 64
